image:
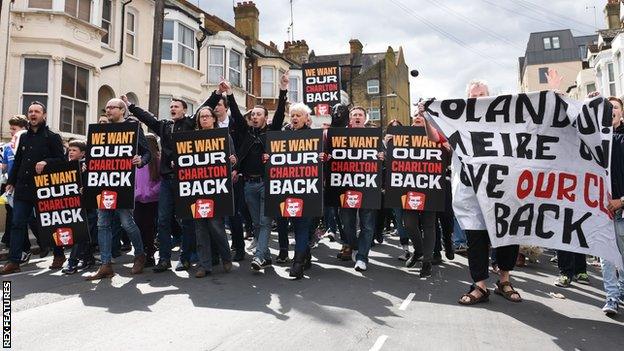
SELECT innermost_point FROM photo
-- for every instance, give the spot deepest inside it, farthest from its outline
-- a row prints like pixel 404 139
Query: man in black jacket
pixel 117 112
pixel 165 128
pixel 38 147
pixel 252 139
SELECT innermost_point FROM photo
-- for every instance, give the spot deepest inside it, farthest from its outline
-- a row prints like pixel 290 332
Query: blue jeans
pixel 459 236
pixel 166 207
pixel 105 232
pixel 614 285
pixel 302 233
pixel 22 212
pixel 254 197
pixel 361 243
pixel 398 221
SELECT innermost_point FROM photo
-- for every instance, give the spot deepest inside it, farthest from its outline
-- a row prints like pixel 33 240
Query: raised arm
pixel 154 124
pixel 280 112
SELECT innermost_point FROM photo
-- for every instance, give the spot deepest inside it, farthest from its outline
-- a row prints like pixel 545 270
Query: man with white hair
pixel 470 218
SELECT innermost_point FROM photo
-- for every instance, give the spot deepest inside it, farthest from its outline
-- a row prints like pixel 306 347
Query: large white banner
pixel 538 164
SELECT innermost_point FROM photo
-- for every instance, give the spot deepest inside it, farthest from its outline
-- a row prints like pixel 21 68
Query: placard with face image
pixel 354 169
pixel 415 171
pixel 203 174
pixel 60 215
pixel 110 173
pixel 294 174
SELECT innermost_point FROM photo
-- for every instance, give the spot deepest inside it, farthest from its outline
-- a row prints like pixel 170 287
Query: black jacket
pixel 617 166
pixel 34 147
pixel 253 140
pixel 164 129
pixel 235 114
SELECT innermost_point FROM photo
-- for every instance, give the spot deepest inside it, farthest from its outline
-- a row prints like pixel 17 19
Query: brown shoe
pixel 201 273
pixel 346 254
pixel 139 263
pixel 10 268
pixel 57 262
pixel 227 266
pixel 105 271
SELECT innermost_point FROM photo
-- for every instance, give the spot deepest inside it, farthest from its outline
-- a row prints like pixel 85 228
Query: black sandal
pixel 472 300
pixel 507 294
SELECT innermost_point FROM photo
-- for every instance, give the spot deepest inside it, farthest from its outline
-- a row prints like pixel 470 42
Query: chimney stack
pixel 355 47
pixel 296 51
pixel 247 20
pixel 612 14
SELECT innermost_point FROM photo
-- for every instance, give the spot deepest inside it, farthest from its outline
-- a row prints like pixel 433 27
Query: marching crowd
pixel 153 226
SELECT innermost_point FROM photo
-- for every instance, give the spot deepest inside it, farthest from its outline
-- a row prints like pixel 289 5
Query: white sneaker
pixel 331 236
pixel 353 255
pixel 253 244
pixel 360 266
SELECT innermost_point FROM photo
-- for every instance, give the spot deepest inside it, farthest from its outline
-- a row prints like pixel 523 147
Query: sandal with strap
pixel 472 300
pixel 507 294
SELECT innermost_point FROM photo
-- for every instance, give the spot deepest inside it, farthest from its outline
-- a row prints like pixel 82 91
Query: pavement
pixel 333 308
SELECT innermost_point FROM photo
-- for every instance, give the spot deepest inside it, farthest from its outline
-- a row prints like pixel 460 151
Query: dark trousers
pixel 444 229
pixel 570 263
pixel 145 215
pixel 282 232
pixel 423 240
pixel 236 221
pixel 211 241
pixel 84 251
pixel 478 258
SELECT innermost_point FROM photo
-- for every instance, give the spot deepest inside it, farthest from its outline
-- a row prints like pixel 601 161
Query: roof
pixel 365 61
pixel 568 50
pixel 609 34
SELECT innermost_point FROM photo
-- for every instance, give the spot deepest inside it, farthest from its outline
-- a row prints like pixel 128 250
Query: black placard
pixel 294 174
pixel 203 174
pixel 354 172
pixel 321 86
pixel 60 214
pixel 109 182
pixel 415 171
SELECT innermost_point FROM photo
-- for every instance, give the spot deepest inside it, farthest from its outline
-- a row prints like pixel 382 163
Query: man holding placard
pixel 164 128
pixel 116 146
pixel 38 147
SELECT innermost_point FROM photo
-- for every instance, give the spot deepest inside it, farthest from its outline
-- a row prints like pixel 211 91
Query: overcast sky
pixel 448 41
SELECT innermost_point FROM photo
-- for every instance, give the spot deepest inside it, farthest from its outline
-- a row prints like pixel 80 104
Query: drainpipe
pixel 123 35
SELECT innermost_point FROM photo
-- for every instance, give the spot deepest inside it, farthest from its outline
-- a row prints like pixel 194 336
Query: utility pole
pixel 154 89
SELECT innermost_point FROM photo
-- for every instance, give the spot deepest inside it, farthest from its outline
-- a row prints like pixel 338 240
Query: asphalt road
pixel 333 308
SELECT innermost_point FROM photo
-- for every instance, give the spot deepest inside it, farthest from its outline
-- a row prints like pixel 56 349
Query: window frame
pixel 240 68
pixel 109 21
pixel 78 8
pixel 611 84
pixel 272 82
pixel 75 99
pixel 374 111
pixel 547 43
pixel 557 41
pixel 132 33
pixel 222 66
pixel 293 94
pixel 40 8
pixel 23 76
pixel 369 87
pixel 176 43
pixel 542 77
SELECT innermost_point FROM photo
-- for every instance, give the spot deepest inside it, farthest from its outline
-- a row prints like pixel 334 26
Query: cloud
pixel 449 42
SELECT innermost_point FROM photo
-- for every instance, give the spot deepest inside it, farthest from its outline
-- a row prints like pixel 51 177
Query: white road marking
pixel 407 301
pixel 379 343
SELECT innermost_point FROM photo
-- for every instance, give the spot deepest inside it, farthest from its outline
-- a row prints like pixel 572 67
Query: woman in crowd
pixel 211 231
pixel 146 199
